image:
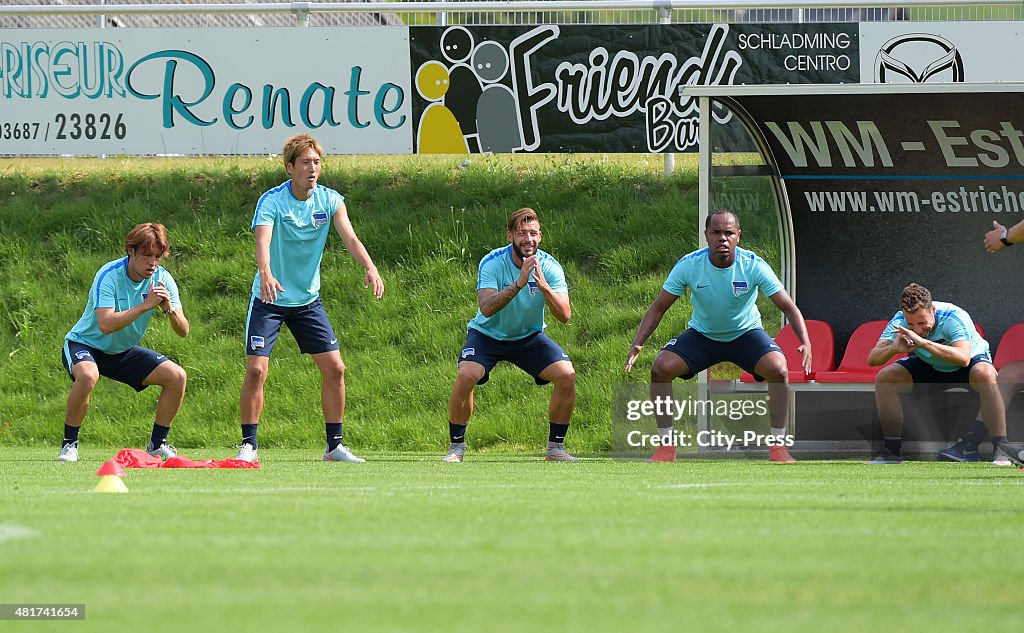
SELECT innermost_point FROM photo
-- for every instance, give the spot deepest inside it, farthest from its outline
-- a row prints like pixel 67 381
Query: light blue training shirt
pixel 952 324
pixel 113 288
pixel 300 229
pixel 724 299
pixel 524 315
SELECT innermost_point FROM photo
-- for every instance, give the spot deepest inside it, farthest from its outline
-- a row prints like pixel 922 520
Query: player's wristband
pixel 1002 238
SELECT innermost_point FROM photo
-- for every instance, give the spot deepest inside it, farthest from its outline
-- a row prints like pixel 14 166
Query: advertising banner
pixel 455 89
pixel 551 88
pixel 208 91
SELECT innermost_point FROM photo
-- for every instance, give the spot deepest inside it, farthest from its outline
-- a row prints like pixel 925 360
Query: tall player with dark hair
pixel 723 281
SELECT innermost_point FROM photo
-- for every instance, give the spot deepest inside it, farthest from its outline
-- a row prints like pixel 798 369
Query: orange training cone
pixel 110 483
pixel 111 468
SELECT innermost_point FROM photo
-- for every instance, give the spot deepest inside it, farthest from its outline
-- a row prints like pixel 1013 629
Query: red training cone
pixel 111 468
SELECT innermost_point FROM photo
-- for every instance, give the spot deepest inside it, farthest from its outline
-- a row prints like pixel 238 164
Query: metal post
pixel 704 166
pixel 101 22
pixel 442 17
pixel 665 17
pixel 703 210
pixel 301 10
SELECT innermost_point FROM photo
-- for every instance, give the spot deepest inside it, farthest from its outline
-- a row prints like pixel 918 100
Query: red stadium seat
pixel 823 348
pixel 1011 347
pixel 854 366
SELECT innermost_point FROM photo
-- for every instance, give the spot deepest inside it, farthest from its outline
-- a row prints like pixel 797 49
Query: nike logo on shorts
pixel 333 341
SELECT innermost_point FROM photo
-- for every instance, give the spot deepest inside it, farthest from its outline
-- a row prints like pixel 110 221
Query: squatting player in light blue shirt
pixel 944 347
pixel 104 342
pixel 524 314
pixel 514 285
pixel 291 224
pixel 723 281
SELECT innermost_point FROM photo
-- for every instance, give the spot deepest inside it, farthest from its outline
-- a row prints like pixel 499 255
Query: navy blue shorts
pixel 131 367
pixel 532 354
pixel 924 374
pixel 308 324
pixel 700 352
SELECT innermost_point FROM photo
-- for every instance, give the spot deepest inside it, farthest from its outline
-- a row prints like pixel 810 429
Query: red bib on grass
pixel 135 458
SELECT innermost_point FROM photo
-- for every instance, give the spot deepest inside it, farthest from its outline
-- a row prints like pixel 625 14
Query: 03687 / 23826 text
pixel 73 126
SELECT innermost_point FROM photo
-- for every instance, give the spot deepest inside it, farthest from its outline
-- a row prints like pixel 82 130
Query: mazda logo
pixel 918 58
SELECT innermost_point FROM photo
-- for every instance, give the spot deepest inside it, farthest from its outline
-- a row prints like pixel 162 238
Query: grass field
pixel 511 543
pixel 503 542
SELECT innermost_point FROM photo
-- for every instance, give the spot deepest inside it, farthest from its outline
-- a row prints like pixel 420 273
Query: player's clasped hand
pixel 538 274
pixel 529 267
pixel 907 340
pixel 158 295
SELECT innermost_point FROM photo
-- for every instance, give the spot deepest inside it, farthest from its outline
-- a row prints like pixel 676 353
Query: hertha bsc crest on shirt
pixel 739 287
pixel 319 219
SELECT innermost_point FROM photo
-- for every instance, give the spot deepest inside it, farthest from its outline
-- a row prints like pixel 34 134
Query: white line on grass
pixel 15 532
pixel 411 488
pixel 992 482
pixel 257 490
pixel 678 486
pixel 356 490
pixel 187 491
